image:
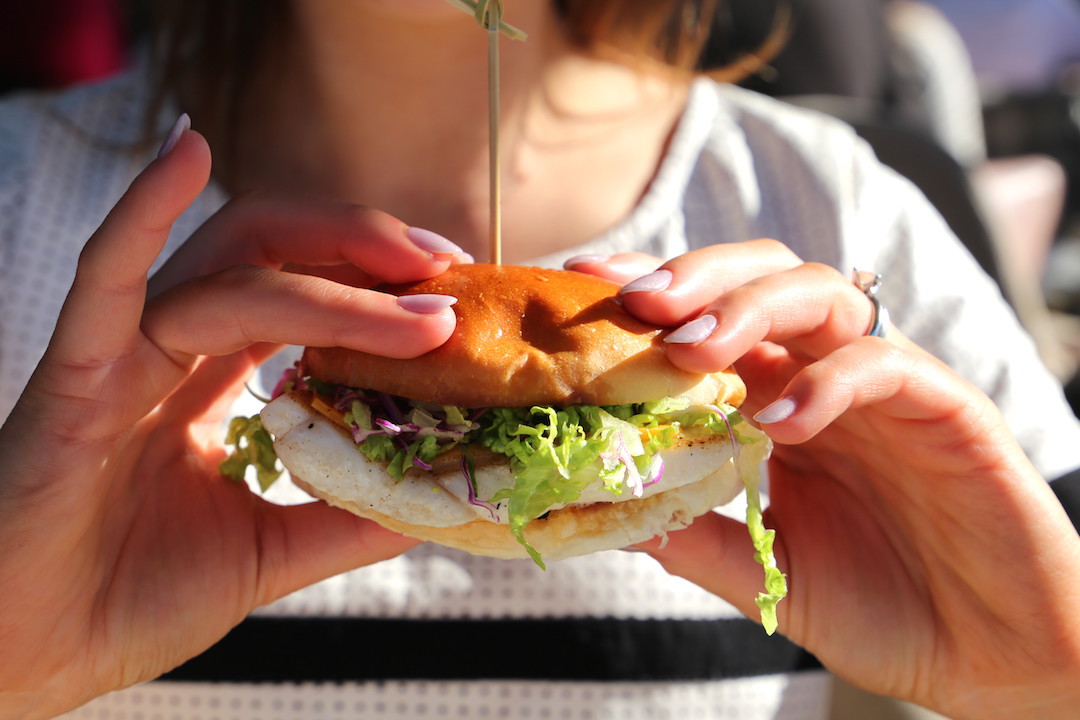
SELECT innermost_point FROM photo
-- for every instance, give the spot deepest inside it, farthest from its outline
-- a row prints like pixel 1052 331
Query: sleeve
pixel 940 298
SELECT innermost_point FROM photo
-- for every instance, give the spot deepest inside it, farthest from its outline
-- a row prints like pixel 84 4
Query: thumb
pixel 716 553
pixel 620 268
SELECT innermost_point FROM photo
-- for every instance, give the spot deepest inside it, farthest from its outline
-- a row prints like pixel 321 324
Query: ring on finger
pixel 869 283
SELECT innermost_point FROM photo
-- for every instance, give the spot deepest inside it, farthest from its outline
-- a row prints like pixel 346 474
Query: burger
pixel 549 425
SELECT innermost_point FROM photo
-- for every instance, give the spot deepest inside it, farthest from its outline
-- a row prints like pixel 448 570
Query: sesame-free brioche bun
pixel 525 336
pixel 529 336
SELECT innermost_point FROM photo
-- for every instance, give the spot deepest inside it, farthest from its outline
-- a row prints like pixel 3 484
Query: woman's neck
pixel 385 105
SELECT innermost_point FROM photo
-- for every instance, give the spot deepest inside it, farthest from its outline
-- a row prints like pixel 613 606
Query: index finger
pixel 349 243
pixel 682 287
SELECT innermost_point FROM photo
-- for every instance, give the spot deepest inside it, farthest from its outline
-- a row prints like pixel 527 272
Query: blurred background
pixel 976 101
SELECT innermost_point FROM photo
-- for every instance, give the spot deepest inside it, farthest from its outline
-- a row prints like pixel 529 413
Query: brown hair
pixel 206 51
pixel 671 33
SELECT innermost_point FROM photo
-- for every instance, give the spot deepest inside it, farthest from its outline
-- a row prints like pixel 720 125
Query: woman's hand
pixel 123 552
pixel 926 558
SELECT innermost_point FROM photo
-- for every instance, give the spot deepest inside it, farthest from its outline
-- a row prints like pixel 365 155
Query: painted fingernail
pixel 776 411
pixel 582 259
pixel 653 282
pixel 425 304
pixel 182 123
pixel 431 242
pixel 694 331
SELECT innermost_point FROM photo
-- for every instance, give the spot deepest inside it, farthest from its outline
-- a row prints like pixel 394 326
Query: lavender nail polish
pixel 182 123
pixel 425 304
pixel 582 259
pixel 653 282
pixel 694 331
pixel 431 242
pixel 776 411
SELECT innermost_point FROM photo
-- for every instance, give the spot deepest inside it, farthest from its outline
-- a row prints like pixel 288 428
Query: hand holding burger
pixel 122 551
pixel 927 558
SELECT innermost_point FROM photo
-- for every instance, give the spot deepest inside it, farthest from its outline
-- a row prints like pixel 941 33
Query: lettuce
pixel 554 456
pixel 558 452
pixel 775 581
pixel 252 446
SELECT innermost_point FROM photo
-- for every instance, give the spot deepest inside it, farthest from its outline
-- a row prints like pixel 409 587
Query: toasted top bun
pixel 529 336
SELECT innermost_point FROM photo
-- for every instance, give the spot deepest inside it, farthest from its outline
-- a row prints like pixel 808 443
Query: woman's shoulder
pixel 778 131
pixel 764 167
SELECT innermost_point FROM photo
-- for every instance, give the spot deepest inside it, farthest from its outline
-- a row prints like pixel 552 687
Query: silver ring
pixel 869 283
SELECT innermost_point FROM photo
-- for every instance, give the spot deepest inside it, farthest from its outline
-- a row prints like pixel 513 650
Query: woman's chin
pixel 416 9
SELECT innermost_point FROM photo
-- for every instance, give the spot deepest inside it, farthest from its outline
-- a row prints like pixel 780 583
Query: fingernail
pixel 425 304
pixel 653 282
pixel 582 259
pixel 776 411
pixel 694 331
pixel 182 123
pixel 431 242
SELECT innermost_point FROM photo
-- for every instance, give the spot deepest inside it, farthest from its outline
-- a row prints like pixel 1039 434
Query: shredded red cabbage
pixel 656 471
pixel 389 427
pixel 470 482
pixel 730 432
pixel 290 380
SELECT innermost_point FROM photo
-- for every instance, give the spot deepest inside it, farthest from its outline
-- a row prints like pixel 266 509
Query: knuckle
pixel 776 249
pixel 369 220
pixel 825 273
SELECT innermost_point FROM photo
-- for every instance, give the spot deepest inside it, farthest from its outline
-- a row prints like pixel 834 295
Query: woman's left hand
pixel 926 558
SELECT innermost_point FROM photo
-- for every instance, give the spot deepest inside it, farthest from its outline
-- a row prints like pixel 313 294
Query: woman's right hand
pixel 123 551
pixel 927 558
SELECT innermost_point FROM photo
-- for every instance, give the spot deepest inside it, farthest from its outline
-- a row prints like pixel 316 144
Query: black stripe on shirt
pixel 592 649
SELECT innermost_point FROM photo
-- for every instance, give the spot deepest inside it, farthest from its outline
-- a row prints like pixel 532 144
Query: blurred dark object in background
pixel 834 47
pixel 1026 56
pixel 53 43
pixel 1046 122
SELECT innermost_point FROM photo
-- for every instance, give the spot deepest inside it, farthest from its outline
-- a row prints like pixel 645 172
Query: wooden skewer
pixel 494 165
pixel 489 14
